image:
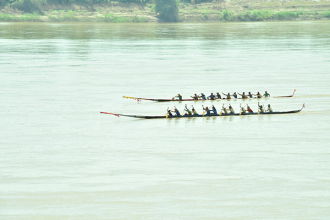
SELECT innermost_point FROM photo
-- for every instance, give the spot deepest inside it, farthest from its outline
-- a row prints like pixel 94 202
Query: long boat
pixel 183 100
pixel 208 115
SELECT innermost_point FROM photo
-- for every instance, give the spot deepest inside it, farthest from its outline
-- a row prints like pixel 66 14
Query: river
pixel 61 159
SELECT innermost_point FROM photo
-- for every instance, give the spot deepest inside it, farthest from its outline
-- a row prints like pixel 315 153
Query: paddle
pixel 221 111
pixel 167 112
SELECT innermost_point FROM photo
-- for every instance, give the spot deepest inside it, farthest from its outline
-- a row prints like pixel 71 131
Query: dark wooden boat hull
pixel 185 100
pixel 210 115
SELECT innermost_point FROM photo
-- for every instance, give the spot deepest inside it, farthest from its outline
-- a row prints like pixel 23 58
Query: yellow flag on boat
pixel 240 112
pixel 203 113
pixel 127 97
pixel 220 113
pixel 166 115
pixel 258 111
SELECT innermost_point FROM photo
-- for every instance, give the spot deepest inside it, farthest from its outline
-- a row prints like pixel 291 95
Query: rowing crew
pixel 213 111
pixel 188 111
pixel 227 96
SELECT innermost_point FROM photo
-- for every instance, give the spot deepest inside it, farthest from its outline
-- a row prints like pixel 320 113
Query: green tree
pixel 168 10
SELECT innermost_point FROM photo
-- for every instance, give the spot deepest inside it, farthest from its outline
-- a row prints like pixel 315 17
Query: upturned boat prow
pixel 286 96
pixel 207 115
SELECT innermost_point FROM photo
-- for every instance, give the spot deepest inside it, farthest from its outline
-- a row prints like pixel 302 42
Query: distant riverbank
pixel 205 12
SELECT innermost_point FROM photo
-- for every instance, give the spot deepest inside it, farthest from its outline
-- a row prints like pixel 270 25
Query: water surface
pixel 61 159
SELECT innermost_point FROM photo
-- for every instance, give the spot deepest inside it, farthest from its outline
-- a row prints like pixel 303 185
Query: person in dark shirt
pixel 212 97
pixel 258 95
pixel 203 96
pixel 228 95
pixel 243 95
pixel 214 110
pixel 176 111
pixel 195 97
pixel 207 110
pixel 169 114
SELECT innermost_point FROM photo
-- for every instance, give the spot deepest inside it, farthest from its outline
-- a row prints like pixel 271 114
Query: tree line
pixel 168 9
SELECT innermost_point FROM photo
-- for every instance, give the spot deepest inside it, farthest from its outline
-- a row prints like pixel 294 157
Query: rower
pixel 203 96
pixel 243 95
pixel 212 97
pixel 258 95
pixel 250 95
pixel 169 114
pixel 249 109
pixel 242 109
pixel 269 108
pixel 261 108
pixel 176 112
pixel 228 95
pixel 224 109
pixel 193 110
pixel 179 96
pixel 208 112
pixel 266 94
pixel 235 95
pixel 186 109
pixel 218 96
pixel 214 110
pixel 231 109
pixel 195 97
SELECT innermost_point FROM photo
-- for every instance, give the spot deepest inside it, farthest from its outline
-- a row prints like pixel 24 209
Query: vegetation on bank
pixel 265 15
pixel 165 10
pixel 255 15
pixel 71 17
pixel 25 17
pixel 168 10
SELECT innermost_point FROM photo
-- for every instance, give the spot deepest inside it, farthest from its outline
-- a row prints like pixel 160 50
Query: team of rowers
pixel 213 111
pixel 227 96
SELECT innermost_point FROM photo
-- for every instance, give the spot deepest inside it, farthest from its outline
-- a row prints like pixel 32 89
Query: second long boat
pixel 213 97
